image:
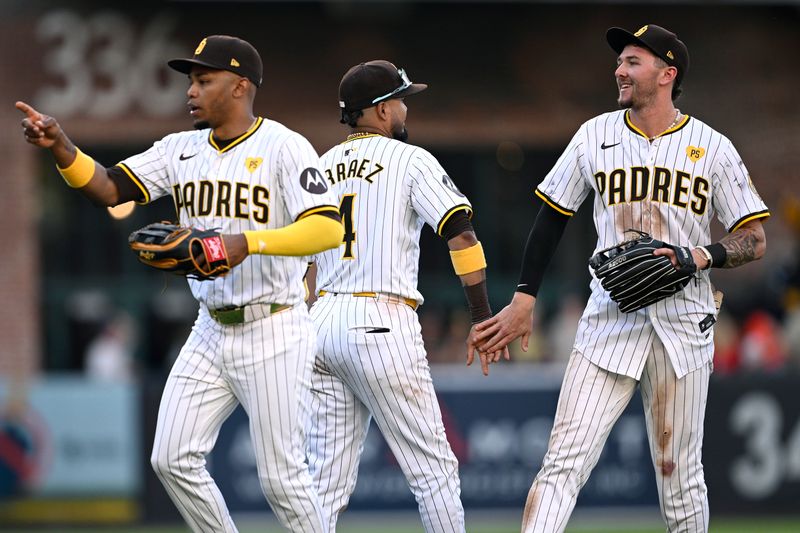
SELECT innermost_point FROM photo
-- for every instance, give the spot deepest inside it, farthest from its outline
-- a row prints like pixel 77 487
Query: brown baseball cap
pixel 370 83
pixel 662 42
pixel 224 52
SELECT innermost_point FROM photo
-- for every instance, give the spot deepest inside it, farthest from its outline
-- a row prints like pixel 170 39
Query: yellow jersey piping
pixel 551 203
pixel 744 220
pixel 450 213
pixel 136 181
pixel 239 140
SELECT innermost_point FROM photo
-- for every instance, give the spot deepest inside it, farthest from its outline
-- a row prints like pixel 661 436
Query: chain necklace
pixel 674 123
pixel 361 134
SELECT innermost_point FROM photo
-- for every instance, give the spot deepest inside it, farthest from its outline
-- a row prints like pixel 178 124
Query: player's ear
pixel 382 110
pixel 241 87
pixel 669 74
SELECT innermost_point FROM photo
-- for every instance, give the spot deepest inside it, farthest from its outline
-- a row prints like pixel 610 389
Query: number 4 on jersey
pixel 346 212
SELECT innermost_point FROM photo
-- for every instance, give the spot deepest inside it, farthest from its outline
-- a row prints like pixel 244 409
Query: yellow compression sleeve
pixel 309 235
pixel 468 260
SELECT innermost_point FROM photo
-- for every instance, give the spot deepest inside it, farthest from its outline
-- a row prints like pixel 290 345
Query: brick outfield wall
pixel 19 275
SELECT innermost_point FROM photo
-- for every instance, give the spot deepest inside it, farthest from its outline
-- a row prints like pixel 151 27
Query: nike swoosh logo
pixel 185 157
pixel 605 146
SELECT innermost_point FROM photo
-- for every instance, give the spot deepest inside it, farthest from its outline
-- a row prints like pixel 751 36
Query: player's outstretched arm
pixel 78 169
pixel 310 235
pixel 470 266
pixel 516 319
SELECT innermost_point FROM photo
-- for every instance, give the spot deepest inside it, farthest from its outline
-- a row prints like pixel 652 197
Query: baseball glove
pixel 181 250
pixel 635 278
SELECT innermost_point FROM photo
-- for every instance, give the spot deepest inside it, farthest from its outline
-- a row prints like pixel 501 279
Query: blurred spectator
pixel 19 451
pixel 432 322
pixel 762 343
pixel 109 357
pixel 727 359
pixel 453 348
pixel 791 337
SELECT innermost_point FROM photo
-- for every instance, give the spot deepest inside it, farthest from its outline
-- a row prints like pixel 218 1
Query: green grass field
pixel 727 525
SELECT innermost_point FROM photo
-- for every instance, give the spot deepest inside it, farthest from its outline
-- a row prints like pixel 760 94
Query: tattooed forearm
pixel 743 245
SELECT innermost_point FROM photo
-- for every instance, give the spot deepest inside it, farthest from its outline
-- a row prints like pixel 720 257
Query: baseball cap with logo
pixel 224 52
pixel 662 42
pixel 373 82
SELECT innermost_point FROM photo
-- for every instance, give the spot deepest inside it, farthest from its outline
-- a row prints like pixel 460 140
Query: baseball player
pixel 654 169
pixel 252 342
pixel 372 361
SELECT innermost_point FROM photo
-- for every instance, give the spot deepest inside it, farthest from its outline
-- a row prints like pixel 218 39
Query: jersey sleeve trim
pixel 450 213
pixel 237 141
pixel 745 219
pixel 317 209
pixel 136 181
pixel 546 199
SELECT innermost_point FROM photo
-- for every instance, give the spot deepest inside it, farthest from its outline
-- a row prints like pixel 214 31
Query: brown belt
pixel 247 313
pixel 379 296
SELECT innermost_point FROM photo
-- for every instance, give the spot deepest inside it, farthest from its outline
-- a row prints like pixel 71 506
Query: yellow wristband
pixel 468 260
pixel 80 172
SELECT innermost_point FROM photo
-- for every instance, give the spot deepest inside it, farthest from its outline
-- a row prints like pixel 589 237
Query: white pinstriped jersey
pixel 258 181
pixel 671 188
pixel 387 190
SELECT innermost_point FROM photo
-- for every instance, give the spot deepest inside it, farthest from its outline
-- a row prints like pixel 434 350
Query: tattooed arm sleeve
pixel 747 243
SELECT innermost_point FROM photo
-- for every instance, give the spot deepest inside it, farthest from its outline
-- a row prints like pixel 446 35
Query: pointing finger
pixel 28 110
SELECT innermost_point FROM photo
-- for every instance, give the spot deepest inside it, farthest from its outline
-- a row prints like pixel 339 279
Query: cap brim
pixel 618 39
pixel 414 88
pixel 185 65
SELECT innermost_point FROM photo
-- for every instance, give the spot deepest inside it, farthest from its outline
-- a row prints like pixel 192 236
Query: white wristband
pixel 707 255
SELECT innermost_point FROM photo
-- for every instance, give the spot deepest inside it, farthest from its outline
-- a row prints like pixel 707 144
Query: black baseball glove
pixel 635 278
pixel 181 250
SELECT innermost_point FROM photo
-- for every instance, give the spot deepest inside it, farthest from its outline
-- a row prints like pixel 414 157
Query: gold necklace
pixel 361 134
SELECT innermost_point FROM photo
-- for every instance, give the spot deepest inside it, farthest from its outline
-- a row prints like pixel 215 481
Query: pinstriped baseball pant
pixel 266 366
pixel 591 401
pixel 360 375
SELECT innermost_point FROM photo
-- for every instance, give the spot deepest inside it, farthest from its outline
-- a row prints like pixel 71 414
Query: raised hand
pixel 514 321
pixel 39 129
pixel 486 358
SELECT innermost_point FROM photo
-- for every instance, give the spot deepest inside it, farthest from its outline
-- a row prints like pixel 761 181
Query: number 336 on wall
pixel 104 64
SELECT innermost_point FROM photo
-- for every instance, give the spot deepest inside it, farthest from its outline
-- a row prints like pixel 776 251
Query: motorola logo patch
pixel 311 180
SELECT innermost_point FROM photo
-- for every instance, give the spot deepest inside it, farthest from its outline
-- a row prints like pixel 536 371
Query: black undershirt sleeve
pixel 542 243
pixel 127 189
pixel 330 214
pixel 457 224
